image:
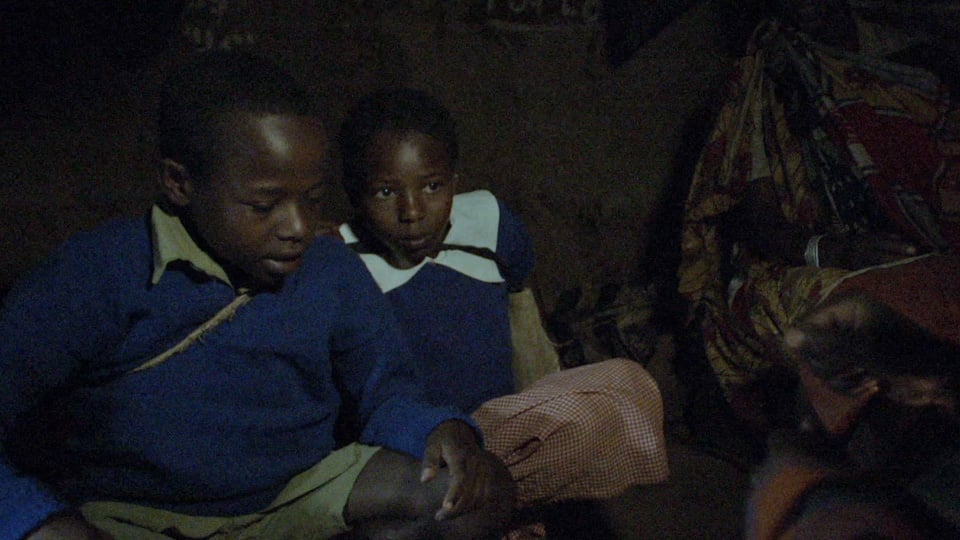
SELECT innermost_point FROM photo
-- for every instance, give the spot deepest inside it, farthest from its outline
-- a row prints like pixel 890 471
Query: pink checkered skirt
pixel 586 432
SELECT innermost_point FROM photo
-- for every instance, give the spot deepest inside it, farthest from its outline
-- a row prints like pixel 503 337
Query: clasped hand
pixel 473 471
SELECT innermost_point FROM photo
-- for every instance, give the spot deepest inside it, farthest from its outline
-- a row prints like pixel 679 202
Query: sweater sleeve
pixel 24 503
pixel 515 248
pixel 373 367
pixel 46 322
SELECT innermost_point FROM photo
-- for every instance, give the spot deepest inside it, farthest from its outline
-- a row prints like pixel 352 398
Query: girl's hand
pixel 855 251
pixel 474 472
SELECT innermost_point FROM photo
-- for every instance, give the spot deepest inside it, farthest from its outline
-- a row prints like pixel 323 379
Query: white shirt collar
pixel 474 221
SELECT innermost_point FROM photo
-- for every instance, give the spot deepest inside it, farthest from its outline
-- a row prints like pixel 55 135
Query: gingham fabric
pixel 586 432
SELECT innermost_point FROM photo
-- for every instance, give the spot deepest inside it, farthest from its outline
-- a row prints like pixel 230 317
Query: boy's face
pixel 407 195
pixel 258 211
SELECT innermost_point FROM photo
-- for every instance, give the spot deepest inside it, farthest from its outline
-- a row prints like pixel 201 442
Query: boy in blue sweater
pixel 179 375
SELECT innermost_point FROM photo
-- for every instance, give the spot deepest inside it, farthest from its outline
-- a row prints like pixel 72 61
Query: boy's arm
pixel 24 503
pixel 371 362
pixel 394 416
pixel 374 370
pixel 41 337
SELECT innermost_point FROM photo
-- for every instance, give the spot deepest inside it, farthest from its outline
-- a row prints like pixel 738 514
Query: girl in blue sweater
pixel 447 263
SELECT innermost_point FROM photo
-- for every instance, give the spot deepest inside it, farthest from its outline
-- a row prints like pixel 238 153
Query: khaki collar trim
pixel 172 242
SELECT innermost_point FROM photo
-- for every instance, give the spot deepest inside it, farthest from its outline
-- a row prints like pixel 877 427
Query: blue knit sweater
pixel 215 430
pixel 454 309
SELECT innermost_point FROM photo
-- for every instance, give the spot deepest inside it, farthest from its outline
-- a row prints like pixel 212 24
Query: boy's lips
pixel 285 263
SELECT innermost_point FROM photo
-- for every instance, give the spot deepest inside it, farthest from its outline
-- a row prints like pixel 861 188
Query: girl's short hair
pixel 390 109
pixel 199 96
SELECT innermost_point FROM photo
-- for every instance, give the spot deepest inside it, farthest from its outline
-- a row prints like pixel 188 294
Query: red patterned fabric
pixel 586 432
pixel 848 143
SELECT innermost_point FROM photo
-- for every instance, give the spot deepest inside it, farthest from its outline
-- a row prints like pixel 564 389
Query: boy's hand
pixel 473 470
pixel 67 526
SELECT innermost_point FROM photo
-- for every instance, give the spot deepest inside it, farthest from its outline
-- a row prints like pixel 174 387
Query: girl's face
pixel 407 195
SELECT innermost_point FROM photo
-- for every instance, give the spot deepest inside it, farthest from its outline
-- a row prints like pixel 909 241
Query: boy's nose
pixel 411 208
pixel 295 224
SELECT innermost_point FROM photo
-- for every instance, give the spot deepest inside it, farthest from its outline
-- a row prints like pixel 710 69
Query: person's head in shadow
pixel 243 157
pixel 399 149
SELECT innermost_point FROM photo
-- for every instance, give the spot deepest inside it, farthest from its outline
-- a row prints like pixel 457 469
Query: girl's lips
pixel 414 244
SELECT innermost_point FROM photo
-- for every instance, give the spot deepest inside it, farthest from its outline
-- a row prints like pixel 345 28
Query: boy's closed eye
pixel 316 195
pixel 261 207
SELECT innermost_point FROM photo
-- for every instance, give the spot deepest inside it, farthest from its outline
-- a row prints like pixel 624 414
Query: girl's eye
pixel 433 187
pixel 383 193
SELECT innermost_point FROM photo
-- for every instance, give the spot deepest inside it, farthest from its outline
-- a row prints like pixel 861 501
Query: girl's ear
pixel 175 182
pixel 454 181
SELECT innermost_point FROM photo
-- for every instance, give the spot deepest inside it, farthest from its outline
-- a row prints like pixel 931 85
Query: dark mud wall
pixel 585 142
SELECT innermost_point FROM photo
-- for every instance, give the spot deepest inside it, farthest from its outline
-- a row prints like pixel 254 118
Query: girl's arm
pixel 759 224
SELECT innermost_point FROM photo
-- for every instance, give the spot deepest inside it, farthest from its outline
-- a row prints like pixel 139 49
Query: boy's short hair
pixel 390 109
pixel 197 98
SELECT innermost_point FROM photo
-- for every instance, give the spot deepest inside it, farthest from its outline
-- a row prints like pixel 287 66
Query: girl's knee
pixel 635 374
pixel 637 384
